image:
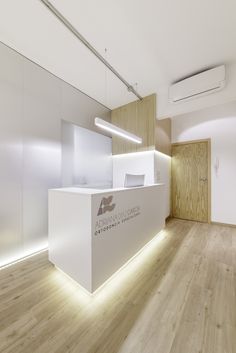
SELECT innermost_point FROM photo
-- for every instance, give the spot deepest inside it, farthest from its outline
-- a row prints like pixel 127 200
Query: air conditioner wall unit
pixel 199 85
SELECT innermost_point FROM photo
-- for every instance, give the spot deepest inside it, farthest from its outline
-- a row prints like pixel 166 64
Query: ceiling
pixel 152 43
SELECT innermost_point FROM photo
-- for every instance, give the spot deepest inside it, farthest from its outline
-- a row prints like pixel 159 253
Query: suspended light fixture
pixel 117 130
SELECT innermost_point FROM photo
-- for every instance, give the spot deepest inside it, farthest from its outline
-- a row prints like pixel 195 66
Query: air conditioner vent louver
pixel 199 85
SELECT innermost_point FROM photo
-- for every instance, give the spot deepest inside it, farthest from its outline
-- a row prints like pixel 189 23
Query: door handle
pixel 203 179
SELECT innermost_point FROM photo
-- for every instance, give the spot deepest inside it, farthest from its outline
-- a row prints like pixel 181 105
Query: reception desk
pixel 92 233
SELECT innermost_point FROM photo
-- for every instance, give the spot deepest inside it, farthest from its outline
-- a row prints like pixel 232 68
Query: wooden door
pixel 191 181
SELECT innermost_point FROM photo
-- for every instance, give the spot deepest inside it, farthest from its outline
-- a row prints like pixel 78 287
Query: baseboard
pixel 224 224
pixel 21 259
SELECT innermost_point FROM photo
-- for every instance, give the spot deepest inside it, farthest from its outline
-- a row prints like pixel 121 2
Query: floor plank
pixel 178 297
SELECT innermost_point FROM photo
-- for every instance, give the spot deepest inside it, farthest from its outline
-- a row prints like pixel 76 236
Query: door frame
pixel 208 140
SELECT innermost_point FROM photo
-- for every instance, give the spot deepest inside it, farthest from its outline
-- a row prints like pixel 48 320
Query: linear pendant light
pixel 117 130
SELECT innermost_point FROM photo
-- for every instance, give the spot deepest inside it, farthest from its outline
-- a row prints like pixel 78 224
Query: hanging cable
pixel 89 46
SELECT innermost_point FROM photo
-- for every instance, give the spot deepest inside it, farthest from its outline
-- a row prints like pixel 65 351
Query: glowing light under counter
pixel 123 155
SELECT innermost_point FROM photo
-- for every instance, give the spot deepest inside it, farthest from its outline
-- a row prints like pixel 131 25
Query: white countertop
pixel 89 191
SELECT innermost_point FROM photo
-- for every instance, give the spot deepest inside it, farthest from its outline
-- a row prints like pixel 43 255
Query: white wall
pixel 133 163
pixel 219 124
pixel 162 174
pixel 155 166
pixel 67 154
pixel 86 157
pixel 92 158
pixel 33 103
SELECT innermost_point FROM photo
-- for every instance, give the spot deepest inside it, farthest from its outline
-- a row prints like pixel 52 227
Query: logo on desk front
pixel 106 205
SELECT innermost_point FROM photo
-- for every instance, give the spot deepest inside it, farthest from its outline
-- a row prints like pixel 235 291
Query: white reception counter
pixel 92 233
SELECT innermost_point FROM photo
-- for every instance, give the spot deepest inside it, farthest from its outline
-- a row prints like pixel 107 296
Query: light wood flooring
pixel 179 296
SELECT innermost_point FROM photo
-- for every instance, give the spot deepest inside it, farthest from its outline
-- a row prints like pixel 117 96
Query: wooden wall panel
pixel 139 118
pixel 163 136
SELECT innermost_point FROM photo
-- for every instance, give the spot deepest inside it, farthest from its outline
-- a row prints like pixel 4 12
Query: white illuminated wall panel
pixel 92 158
pixel 86 157
pixel 133 163
pixel 33 104
pixel 155 165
